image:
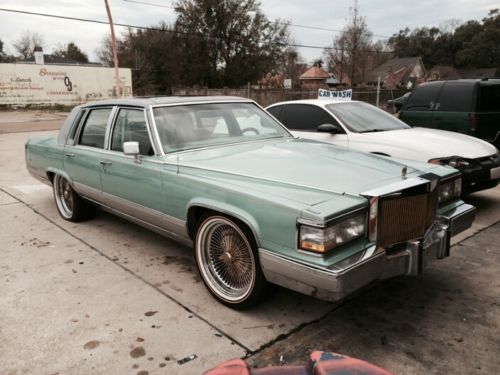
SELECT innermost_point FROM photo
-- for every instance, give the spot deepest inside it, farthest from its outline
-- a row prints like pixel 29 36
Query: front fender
pixel 230 210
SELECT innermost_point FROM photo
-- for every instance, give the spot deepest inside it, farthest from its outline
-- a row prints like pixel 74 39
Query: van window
pixel 456 97
pixel 423 97
pixel 489 98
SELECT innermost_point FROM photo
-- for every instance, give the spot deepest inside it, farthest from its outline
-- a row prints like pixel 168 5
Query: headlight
pixel 450 189
pixel 454 162
pixel 322 240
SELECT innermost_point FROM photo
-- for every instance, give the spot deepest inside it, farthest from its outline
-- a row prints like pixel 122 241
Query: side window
pixel 276 112
pixel 94 129
pixel 130 126
pixel 456 97
pixel 424 97
pixel 305 117
pixel 489 98
pixel 74 126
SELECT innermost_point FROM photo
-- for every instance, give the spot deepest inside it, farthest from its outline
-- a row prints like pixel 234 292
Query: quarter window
pixel 130 126
pixel 94 129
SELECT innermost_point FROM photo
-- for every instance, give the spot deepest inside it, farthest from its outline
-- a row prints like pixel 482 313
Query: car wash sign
pixel 335 95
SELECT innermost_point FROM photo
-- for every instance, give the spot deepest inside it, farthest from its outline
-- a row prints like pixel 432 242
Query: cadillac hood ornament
pixel 404 171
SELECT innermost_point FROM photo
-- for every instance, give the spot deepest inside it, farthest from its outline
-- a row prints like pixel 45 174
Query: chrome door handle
pixel 105 163
pixel 69 155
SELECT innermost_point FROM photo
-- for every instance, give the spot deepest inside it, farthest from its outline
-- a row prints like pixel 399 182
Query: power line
pixel 169 31
pixel 151 4
pixel 282 22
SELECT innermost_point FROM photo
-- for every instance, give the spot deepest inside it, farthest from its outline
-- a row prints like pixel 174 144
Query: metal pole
pixel 118 90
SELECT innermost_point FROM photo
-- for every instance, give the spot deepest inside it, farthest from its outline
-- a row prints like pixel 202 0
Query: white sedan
pixel 364 127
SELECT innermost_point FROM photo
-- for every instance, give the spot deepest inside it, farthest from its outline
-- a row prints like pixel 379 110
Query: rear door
pixel 303 120
pixel 83 152
pixel 418 109
pixel 453 109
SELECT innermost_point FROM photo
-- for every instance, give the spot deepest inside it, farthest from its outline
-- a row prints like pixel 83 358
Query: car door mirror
pixel 330 128
pixel 131 149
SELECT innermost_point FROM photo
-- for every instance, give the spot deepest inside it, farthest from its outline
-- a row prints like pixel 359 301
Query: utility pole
pixel 118 90
pixel 355 38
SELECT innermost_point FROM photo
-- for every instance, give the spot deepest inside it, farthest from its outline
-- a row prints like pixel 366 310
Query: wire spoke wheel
pixel 225 259
pixel 64 196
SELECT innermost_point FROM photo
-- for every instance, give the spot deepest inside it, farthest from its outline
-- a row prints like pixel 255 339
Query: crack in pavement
pixel 249 353
pixel 226 335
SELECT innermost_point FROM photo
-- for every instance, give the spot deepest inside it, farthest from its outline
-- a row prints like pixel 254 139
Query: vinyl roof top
pixel 167 100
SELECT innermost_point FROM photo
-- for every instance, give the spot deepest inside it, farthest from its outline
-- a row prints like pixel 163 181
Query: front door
pixel 132 186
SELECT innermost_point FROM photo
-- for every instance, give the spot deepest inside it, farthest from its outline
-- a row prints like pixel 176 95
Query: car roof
pixel 316 102
pixel 166 100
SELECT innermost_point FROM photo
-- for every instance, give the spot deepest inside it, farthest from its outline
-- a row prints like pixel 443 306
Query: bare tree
pixel 352 49
pixel 28 43
pixel 105 51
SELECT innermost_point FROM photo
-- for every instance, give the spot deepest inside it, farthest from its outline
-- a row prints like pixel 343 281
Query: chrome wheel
pixel 64 196
pixel 225 259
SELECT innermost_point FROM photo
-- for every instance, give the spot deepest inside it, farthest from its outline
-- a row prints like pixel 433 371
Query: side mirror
pixel 330 128
pixel 132 149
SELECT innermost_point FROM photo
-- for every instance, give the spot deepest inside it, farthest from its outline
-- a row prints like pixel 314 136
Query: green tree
pixel 71 51
pixel 153 57
pixel 432 44
pixel 227 42
pixel 479 43
pixel 471 45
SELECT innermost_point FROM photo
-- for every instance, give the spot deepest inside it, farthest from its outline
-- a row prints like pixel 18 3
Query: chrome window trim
pixel 248 101
pixel 113 125
pixel 155 129
pixel 83 121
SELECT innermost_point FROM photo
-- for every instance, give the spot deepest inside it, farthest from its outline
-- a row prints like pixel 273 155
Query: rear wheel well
pixel 50 176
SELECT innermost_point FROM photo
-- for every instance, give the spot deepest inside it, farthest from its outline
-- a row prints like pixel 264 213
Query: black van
pixel 470 106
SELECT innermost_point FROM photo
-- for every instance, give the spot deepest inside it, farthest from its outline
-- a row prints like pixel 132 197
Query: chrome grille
pixel 404 218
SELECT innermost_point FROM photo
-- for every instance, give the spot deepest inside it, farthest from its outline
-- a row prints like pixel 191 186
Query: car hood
pixel 300 163
pixel 425 144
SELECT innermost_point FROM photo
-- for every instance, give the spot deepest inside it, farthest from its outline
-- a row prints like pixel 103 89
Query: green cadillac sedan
pixel 258 205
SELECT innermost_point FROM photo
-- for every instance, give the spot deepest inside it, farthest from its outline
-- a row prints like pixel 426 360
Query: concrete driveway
pixel 106 296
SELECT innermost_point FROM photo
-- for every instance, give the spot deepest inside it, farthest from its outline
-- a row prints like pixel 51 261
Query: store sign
pixel 25 84
pixel 335 95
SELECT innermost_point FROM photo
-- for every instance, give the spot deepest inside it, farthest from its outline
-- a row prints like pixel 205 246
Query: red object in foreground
pixel 320 363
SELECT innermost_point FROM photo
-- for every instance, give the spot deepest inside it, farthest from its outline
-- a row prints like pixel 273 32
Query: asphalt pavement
pixel 108 297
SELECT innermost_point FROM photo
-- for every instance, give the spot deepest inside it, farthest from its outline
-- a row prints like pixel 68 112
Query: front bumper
pixel 339 280
pixel 481 174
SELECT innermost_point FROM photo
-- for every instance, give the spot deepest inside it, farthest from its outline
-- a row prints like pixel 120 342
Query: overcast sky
pixel 384 18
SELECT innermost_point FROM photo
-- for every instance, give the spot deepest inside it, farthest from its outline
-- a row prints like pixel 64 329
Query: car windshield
pixel 186 127
pixel 362 117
